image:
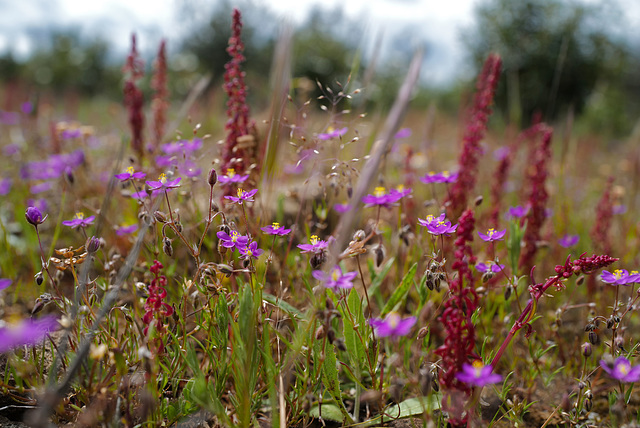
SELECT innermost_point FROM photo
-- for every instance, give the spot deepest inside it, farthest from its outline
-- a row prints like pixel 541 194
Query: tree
pixel 555 52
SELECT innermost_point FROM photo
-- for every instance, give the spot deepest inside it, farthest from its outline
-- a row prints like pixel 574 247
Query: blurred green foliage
pixel 555 54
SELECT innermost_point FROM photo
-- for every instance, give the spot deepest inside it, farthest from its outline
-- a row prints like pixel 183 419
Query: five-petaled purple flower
pixel 243 196
pixel 336 278
pixel 34 216
pixel 79 221
pixel 26 332
pixel 250 251
pixel 275 229
pixel 234 240
pixel 392 325
pixel 489 267
pixel 130 174
pixel 439 226
pixel 619 277
pixel 621 370
pixel 517 212
pixel 568 241
pixel 126 230
pixel 232 177
pixel 315 246
pixel 477 374
pixel 381 198
pixel 342 208
pixel 163 183
pixel 439 177
pixel 332 133
pixel 4 283
pixel 492 235
pixel 430 219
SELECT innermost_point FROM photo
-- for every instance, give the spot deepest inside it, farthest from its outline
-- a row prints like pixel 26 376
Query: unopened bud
pixel 68 174
pixel 594 338
pixel 317 259
pixel 580 280
pixel 224 269
pixel 379 254
pixel 423 333
pixel 166 247
pixel 487 276
pixel 320 332
pixel 478 201
pixel 39 278
pixel 586 349
pixel 507 291
pixel 359 235
pixel 160 217
pixel 213 177
pixel 92 245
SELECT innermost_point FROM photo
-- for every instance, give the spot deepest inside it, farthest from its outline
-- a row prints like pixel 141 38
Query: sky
pixel 436 24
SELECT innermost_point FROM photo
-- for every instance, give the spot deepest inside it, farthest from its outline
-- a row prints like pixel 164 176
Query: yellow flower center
pixel 490 232
pixel 130 170
pixel 313 239
pixel 624 368
pixel 79 216
pixel 432 173
pixel 249 252
pixel 400 188
pixel 240 193
pixel 445 173
pixel 477 367
pixel 440 222
pixel 276 225
pixel 393 319
pixel 379 191
pixel 234 236
pixel 231 172
pixel 162 178
pixel 335 274
pixel 634 272
pixel 430 218
pixel 618 273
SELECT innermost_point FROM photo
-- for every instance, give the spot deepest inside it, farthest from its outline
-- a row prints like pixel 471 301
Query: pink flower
pixel 234 240
pixel 333 133
pixel 275 229
pixel 315 246
pixel 130 174
pixel 163 183
pixel 242 196
pixel 492 235
pixel 26 332
pixel 250 251
pixel 335 279
pixel 79 221
pixel 381 198
pixel 232 177
pixel 477 374
pixel 392 325
pixel 621 370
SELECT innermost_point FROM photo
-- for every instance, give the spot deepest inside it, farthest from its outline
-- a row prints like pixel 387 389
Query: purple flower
pixel 619 277
pixel 492 235
pixel 232 177
pixel 381 198
pixel 440 177
pixel 140 195
pixel 431 220
pixel 251 250
pixel 26 332
pixel 40 188
pixel 315 246
pixel 335 279
pixel 392 325
pixel 618 209
pixel 403 133
pixel 332 133
pixel 477 374
pixel 342 208
pixel 235 240
pixel 568 241
pixel 182 146
pixel 621 370
pixel 400 191
pixel 242 196
pixel 34 216
pixel 163 183
pixel 4 283
pixel 126 230
pixel 517 212
pixel 26 107
pixel 79 221
pixel 275 229
pixel 5 186
pixel 501 153
pixel 438 226
pixel 130 174
pixel 489 267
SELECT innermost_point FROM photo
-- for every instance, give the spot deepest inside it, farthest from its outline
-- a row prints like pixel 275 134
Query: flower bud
pixel 594 338
pixel 160 217
pixel 423 333
pixel 225 269
pixel 379 254
pixel 213 177
pixel 39 278
pixel 166 247
pixel 92 245
pixel 318 259
pixel 478 201
pixel 586 349
pixel 359 235
pixel 34 216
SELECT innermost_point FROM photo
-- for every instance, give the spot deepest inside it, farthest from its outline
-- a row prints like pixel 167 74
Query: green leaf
pixel 282 305
pixel 401 291
pixel 355 347
pixel 413 406
pixel 330 412
pixel 332 382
